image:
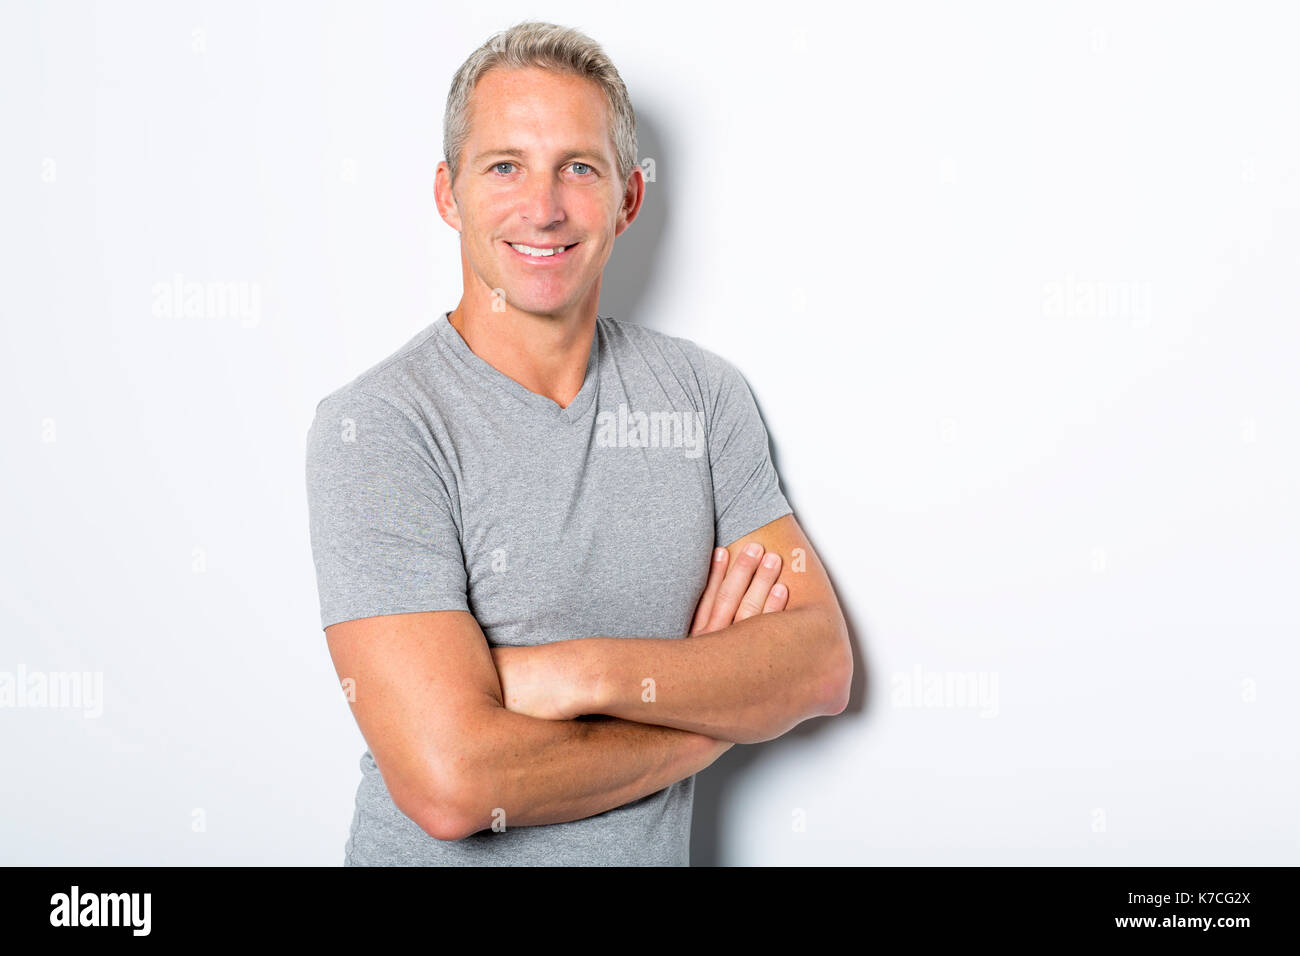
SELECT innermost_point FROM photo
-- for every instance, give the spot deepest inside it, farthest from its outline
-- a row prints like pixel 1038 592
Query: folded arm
pixel 745 682
pixel 428 702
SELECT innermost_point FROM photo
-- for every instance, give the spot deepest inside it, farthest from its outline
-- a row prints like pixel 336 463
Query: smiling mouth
pixel 540 252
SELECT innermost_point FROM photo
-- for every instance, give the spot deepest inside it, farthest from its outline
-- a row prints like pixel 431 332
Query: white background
pixel 1015 289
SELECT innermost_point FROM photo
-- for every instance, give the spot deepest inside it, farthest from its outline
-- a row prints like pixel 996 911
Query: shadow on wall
pixel 623 287
pixel 631 263
pixel 714 785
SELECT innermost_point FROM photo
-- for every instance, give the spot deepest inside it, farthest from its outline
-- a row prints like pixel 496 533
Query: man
pixel 512 514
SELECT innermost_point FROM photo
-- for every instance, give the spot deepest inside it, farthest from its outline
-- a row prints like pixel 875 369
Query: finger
pixel 733 587
pixel 703 610
pixel 776 598
pixel 769 569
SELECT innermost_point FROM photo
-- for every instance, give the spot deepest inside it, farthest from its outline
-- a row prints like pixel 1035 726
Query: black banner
pixel 1229 906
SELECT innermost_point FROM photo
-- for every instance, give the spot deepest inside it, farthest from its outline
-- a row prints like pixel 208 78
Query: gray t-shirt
pixel 436 482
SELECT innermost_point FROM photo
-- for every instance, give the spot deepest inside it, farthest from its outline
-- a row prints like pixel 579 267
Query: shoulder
pixel 681 353
pixel 398 386
pixel 389 417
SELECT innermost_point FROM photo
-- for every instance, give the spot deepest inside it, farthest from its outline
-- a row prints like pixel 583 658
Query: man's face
pixel 539 169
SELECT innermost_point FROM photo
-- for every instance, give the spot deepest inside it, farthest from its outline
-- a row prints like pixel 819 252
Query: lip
pixel 541 261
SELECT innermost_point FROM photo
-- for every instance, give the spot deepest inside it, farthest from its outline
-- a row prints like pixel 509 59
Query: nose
pixel 541 204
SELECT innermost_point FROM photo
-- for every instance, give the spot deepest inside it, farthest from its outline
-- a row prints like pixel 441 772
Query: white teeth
pixel 530 251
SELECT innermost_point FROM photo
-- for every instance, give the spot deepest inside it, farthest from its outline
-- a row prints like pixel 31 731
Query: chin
pixel 536 305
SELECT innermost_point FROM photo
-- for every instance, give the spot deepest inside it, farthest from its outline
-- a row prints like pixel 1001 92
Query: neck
pixel 545 354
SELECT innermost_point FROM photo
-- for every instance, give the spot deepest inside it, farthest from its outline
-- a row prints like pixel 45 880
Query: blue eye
pixel 584 165
pixel 499 165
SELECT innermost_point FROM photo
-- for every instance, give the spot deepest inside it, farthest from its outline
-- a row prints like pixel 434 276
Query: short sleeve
pixel 746 490
pixel 383 536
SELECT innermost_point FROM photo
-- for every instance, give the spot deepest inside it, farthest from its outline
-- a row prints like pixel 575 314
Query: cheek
pixel 594 210
pixel 485 219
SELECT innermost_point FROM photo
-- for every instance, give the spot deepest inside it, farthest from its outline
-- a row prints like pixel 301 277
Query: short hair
pixel 548 46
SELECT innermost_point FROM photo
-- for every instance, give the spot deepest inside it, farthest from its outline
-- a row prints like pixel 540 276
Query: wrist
pixel 589 680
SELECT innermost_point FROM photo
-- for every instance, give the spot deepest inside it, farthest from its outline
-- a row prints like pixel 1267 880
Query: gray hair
pixel 550 47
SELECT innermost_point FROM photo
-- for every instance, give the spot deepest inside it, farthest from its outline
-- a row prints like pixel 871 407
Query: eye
pixel 579 167
pixel 498 166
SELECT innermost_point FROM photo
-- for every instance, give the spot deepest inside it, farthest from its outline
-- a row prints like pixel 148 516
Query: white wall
pixel 1015 289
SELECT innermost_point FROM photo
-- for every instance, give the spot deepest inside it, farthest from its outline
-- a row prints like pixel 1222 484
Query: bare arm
pixel 747 681
pixel 428 702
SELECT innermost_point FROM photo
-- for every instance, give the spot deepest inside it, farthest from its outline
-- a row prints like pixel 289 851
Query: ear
pixel 633 196
pixel 444 197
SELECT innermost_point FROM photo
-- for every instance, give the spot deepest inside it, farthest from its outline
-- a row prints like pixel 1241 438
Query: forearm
pixel 748 682
pixel 526 771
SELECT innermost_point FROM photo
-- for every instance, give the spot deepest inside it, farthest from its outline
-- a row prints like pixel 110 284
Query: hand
pixel 730 595
pixel 749 587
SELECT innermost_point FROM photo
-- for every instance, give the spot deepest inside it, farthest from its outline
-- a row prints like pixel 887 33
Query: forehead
pixel 511 107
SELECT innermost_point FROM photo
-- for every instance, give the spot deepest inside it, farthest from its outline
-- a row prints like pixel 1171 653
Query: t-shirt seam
pixel 412 422
pixel 385 610
pixel 450 351
pixel 458 521
pixel 501 388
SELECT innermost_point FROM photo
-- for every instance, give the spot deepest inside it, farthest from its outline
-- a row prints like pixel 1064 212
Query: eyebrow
pixel 519 154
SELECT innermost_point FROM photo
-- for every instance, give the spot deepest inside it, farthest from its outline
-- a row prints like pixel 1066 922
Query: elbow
pixel 441 802
pixel 840 700
pixel 838 682
pixel 445 822
pixel 826 692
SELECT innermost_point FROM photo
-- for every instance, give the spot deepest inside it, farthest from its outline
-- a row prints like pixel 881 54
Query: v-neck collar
pixel 547 407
